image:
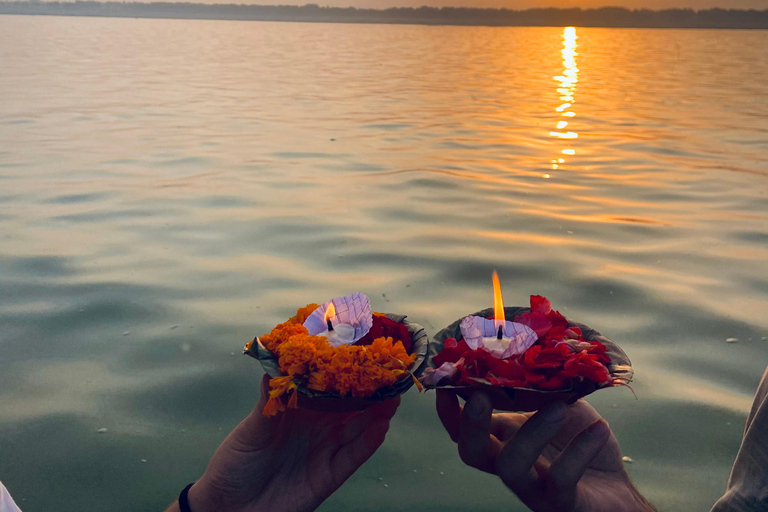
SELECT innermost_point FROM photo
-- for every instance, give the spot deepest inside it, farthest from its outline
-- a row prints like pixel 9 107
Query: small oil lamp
pixel 498 336
pixel 342 320
pixel 339 334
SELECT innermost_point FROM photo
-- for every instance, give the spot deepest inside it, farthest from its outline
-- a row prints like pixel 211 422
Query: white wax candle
pixel 352 311
pixel 495 344
pixel 342 334
pixel 481 332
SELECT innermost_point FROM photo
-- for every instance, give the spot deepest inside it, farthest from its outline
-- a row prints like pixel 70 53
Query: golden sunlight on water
pixel 566 88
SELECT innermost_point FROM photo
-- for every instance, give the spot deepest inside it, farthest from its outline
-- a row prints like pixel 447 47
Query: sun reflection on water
pixel 567 91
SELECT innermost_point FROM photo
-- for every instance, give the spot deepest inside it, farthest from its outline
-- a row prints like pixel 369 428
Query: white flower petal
pixel 354 310
pixel 433 376
pixel 482 332
pixel 471 332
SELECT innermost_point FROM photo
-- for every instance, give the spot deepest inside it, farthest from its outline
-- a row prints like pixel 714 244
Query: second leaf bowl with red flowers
pixel 538 358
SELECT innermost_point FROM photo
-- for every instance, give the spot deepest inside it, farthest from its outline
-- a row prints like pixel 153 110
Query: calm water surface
pixel 169 189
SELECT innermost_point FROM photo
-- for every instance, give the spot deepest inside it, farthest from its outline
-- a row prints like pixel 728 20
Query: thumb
pixel 257 431
pixel 477 448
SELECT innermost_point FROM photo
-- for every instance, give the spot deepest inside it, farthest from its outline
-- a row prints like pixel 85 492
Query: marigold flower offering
pixel 339 356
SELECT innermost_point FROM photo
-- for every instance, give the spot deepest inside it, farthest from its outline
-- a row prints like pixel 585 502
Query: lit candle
pixel 343 320
pixel 340 334
pixel 498 336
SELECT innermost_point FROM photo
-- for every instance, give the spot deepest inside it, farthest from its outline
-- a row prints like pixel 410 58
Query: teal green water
pixel 169 189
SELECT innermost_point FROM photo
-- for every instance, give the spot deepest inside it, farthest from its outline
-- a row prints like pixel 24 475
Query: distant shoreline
pixel 614 17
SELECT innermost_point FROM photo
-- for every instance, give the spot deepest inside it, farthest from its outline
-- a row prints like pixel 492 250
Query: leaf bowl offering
pixel 541 358
pixel 339 357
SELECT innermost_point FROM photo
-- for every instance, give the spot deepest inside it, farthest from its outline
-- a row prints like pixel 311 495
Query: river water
pixel 171 188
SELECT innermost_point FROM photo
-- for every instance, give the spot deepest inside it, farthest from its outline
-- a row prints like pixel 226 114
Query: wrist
pixel 200 499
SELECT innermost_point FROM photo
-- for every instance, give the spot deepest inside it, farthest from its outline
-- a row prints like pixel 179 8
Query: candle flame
pixel 330 311
pixel 498 303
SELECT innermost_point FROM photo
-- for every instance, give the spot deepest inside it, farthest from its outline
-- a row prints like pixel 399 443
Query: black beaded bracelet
pixel 184 500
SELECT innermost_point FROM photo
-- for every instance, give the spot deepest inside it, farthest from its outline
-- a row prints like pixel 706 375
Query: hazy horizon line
pixel 615 17
pixel 384 9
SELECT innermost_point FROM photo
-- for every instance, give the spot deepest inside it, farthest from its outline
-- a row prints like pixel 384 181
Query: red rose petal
pixel 452 351
pixel 560 357
pixel 540 304
pixel 536 321
pixel 383 327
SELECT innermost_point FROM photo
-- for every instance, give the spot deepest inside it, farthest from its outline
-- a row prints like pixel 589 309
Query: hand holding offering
pixel 334 376
pixel 560 459
pixel 339 357
pixel 288 462
pixel 540 358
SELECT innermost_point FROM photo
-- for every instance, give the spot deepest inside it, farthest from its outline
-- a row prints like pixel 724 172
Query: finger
pixel 566 471
pixel 449 412
pixel 515 462
pixel 353 454
pixel 345 447
pixel 580 416
pixel 477 448
pixel 506 425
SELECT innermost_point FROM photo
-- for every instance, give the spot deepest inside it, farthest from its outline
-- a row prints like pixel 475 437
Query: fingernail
pixel 598 429
pixel 475 407
pixel 556 413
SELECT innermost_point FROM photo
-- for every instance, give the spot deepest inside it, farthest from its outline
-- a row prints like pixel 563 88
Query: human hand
pixel 290 462
pixel 560 459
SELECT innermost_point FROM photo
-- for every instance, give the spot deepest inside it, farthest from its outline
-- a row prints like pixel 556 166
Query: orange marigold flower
pixel 273 406
pixel 385 350
pixel 281 334
pixel 356 370
pixel 278 386
pixel 293 403
pixel 297 355
pixel 320 380
pixel 371 377
pixel 361 371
